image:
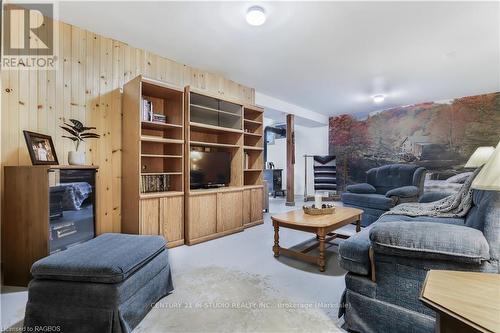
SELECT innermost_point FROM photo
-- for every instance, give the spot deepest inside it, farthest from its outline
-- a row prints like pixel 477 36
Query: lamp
pixel 479 157
pixel 489 176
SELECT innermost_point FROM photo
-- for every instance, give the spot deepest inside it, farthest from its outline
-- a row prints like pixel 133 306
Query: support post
pixel 290 160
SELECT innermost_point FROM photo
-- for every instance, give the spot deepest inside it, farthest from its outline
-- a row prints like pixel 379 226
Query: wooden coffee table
pixel 321 225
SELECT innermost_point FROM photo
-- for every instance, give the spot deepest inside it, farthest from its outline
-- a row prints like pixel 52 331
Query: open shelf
pixel 160 173
pixel 253 113
pixel 162 194
pixel 213 144
pixel 252 177
pixel 157 125
pixel 253 148
pixel 253 158
pixel 212 129
pixel 161 156
pixel 151 138
pixel 253 141
pixel 252 122
pixel 214 110
pixel 253 134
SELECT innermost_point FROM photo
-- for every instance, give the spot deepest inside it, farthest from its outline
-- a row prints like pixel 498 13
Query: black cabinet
pixel 47 209
pixel 275 180
pixel 72 208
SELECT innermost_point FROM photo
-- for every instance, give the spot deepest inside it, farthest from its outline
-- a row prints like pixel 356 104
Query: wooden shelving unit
pixel 253 145
pixel 216 124
pixel 195 121
pixel 153 154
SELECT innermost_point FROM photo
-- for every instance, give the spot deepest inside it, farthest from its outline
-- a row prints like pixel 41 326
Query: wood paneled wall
pixel 86 85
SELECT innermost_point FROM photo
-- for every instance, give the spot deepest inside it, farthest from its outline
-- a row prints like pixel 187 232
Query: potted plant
pixel 78 134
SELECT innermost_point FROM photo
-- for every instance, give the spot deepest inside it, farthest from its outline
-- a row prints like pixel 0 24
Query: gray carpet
pixel 215 299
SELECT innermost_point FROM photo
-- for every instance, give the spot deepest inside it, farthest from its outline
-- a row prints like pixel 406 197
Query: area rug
pixel 216 299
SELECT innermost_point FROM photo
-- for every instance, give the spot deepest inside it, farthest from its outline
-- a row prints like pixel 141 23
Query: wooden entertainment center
pixel 158 153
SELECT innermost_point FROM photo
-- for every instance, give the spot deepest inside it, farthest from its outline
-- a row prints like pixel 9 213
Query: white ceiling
pixel 329 57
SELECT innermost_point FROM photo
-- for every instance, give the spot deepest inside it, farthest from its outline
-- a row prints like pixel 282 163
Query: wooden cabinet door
pixel 150 217
pixel 172 219
pixel 202 215
pixel 229 210
pixel 246 206
pixel 256 205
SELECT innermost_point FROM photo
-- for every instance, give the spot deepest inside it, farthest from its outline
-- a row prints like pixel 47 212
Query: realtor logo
pixel 28 34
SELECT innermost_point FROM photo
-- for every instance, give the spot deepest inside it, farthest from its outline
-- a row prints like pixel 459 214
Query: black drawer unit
pixel 275 180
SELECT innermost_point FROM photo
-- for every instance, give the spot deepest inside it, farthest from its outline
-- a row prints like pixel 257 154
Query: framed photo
pixel 41 148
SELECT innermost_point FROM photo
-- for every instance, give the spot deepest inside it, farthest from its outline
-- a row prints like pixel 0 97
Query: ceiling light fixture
pixel 256 16
pixel 378 98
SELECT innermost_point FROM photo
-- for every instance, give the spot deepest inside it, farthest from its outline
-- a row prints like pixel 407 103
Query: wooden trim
pixel 253 224
pixel 161 156
pixel 175 243
pixel 215 190
pixel 213 95
pixel 150 138
pixel 132 94
pixel 160 194
pixel 371 255
pixel 255 122
pixel 252 148
pixel 255 108
pixel 158 125
pixel 25 229
pixel 74 167
pixel 160 83
pixel 214 236
pixel 214 129
pixel 212 144
pixel 290 160
pixel 245 187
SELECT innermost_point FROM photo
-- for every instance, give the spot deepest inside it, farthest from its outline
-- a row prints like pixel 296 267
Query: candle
pixel 317 200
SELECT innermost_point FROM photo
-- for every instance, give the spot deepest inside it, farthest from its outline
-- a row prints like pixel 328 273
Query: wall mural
pixel 437 135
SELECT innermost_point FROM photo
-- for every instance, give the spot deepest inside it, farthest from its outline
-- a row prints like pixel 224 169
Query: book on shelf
pixel 159 118
pixel 246 161
pixel 147 110
pixel 155 183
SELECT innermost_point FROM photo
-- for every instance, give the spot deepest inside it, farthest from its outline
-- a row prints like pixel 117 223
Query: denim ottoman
pixel 107 284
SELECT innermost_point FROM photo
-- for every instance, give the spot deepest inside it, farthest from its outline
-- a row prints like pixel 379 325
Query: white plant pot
pixel 76 158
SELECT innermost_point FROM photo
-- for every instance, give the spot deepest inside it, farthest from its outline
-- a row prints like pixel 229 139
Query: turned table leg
pixel 321 260
pixel 276 247
pixel 358 225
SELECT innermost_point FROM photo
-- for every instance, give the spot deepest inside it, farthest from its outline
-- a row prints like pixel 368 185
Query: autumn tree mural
pixel 437 135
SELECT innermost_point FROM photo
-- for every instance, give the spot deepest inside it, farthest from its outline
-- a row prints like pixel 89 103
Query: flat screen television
pixel 210 169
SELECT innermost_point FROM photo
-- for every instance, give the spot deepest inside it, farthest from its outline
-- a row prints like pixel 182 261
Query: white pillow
pixel 460 178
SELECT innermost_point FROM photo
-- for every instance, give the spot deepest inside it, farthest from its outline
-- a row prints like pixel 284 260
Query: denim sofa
pixel 385 187
pixel 382 293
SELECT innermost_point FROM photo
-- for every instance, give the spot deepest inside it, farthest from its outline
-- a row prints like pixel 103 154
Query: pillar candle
pixel 317 200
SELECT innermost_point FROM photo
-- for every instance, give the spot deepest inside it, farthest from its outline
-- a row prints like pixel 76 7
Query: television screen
pixel 210 169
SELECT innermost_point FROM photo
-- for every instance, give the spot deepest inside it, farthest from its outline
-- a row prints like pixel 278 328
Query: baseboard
pixel 213 236
pixel 175 243
pixel 253 224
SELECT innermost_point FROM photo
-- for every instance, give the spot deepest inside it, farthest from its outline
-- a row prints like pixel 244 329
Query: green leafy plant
pixel 78 132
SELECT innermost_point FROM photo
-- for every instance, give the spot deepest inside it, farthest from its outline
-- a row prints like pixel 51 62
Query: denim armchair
pixel 387 263
pixel 385 187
